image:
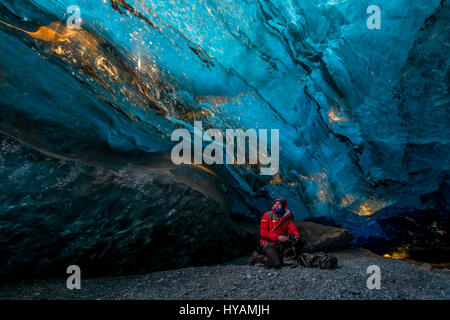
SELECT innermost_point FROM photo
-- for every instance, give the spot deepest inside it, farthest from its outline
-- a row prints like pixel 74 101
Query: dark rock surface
pixel 316 237
pixel 55 213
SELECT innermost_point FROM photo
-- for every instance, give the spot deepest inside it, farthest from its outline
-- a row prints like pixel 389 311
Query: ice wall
pixel 362 113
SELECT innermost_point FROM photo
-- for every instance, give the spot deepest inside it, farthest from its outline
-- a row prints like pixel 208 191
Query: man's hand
pixel 283 238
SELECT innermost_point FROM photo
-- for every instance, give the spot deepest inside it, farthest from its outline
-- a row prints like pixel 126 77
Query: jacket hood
pixel 287 212
pixel 280 199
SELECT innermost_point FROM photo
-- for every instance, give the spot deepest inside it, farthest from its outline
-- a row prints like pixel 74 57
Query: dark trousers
pixel 273 255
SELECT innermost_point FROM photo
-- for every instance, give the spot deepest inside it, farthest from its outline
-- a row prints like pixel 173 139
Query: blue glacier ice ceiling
pixel 363 113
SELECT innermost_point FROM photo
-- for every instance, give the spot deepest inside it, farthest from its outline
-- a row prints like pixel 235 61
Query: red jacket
pixel 271 227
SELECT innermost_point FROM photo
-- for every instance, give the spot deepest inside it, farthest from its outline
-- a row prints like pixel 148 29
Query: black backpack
pixel 317 260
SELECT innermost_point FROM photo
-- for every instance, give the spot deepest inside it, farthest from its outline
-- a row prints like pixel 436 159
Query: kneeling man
pixel 275 228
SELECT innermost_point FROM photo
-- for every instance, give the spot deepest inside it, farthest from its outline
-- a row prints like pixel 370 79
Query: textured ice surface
pixel 363 114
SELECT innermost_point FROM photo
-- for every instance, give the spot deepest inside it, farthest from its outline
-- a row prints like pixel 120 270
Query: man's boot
pixel 256 257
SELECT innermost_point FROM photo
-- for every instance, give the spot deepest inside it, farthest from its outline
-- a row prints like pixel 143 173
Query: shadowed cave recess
pixel 87 116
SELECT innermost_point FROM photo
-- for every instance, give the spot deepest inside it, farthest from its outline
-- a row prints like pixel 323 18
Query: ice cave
pixel 359 96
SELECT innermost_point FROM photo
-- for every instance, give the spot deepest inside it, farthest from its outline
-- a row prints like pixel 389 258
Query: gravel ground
pixel 235 280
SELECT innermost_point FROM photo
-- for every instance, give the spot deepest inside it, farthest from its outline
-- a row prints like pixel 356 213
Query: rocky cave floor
pixel 237 280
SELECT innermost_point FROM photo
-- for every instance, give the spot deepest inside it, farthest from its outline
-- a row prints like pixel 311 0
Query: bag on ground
pixel 317 260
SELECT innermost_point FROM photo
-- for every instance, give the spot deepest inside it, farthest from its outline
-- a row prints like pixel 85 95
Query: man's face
pixel 277 206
